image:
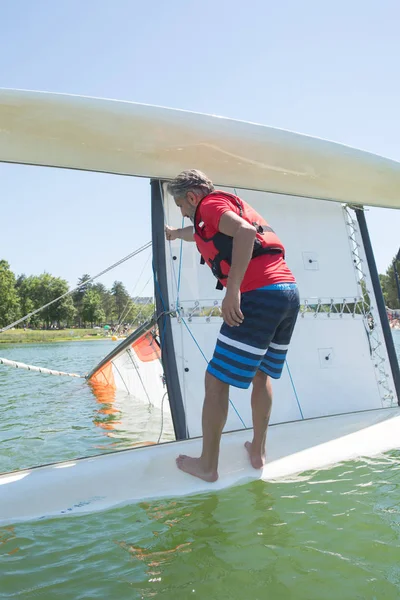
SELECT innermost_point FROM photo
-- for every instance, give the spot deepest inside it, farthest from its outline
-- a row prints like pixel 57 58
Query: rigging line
pixel 179 270
pixel 119 373
pixel 294 389
pixel 128 308
pixel 162 417
pixel 141 312
pixel 71 394
pixel 61 382
pixel 139 375
pixel 197 344
pixel 173 266
pixel 148 301
pixel 34 312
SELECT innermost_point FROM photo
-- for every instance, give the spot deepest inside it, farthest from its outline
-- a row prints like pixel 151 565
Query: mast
pixel 380 301
pixel 396 275
pixel 162 306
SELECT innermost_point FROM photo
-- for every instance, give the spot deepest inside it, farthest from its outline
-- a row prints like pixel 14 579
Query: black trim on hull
pixel 162 304
pixel 379 301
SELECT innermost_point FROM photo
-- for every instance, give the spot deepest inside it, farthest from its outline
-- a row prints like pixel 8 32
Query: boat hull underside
pixel 102 482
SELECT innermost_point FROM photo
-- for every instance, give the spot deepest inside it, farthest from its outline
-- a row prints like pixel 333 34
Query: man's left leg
pixel 215 412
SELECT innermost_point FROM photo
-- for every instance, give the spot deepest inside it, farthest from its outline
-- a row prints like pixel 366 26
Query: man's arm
pixel 243 235
pixel 185 234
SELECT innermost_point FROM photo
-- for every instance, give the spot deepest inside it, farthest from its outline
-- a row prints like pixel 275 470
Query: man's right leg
pixel 261 404
pixel 215 412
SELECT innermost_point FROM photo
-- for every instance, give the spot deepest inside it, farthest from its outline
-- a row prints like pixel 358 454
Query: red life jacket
pixel 216 251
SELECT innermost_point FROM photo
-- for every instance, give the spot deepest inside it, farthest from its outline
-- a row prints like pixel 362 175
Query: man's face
pixel 188 205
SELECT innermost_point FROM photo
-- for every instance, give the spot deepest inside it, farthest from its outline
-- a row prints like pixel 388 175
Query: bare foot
pixel 257 460
pixel 194 467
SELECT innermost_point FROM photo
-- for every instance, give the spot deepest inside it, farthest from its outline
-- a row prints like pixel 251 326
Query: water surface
pixel 332 533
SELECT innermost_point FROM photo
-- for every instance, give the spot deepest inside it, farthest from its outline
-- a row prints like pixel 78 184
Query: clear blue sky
pixel 325 69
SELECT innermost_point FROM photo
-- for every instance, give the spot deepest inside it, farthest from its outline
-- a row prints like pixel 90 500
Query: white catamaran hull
pixel 342 357
pixel 94 134
pixel 98 483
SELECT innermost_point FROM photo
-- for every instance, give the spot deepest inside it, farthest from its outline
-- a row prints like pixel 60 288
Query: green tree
pixel 123 302
pixel 92 311
pixel 389 285
pixel 19 281
pixel 25 288
pixel 66 311
pixel 62 310
pixel 36 291
pixel 107 301
pixel 9 301
pixel 79 294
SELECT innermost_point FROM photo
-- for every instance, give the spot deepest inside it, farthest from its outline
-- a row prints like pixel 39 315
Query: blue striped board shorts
pixel 262 340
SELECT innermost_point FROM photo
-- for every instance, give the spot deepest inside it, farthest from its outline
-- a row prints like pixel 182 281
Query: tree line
pixel 390 285
pixel 92 304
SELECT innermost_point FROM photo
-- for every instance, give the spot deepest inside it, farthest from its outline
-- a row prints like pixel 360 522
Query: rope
pixel 179 270
pixel 162 417
pixel 34 312
pixel 195 341
pixel 19 365
pixel 127 310
pixel 129 352
pixel 294 389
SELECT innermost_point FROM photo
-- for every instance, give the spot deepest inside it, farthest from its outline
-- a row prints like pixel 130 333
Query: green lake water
pixel 332 533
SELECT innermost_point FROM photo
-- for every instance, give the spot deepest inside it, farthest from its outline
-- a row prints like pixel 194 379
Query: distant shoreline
pixel 52 336
pixel 46 336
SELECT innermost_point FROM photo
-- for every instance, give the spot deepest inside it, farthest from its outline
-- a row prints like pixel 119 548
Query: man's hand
pixel 185 234
pixel 230 308
pixel 171 233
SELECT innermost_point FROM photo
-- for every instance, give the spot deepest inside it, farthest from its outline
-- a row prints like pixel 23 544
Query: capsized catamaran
pixel 339 395
pixel 134 366
pixel 130 387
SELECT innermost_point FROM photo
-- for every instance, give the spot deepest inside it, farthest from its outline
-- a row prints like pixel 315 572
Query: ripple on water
pixel 56 418
pixel 325 534
pixel 259 540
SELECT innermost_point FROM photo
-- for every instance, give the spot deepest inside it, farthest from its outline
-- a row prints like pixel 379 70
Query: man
pixel 259 309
